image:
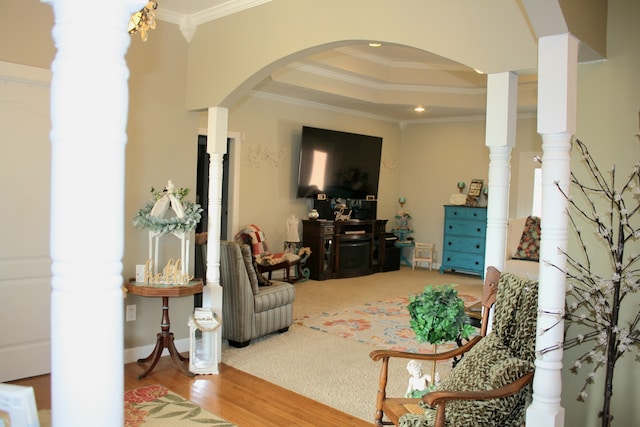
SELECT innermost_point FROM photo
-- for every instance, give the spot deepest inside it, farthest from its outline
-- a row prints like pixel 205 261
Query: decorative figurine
pixel 419 383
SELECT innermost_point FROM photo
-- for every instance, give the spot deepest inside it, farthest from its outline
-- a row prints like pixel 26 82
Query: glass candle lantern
pixel 203 338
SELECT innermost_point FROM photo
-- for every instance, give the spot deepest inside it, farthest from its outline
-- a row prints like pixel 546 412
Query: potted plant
pixel 437 316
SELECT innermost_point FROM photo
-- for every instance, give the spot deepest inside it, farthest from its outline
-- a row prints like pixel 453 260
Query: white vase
pixel 313 214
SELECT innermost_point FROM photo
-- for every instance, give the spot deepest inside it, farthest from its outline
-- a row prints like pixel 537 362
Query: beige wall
pixel 25 31
pixel 607 121
pixel 162 145
pixel 490 36
pixel 268 188
pixel 162 135
pixel 435 156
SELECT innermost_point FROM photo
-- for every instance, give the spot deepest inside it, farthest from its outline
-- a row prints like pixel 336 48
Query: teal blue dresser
pixel 465 230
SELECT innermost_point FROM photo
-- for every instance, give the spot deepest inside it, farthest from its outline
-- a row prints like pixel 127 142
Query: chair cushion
pixel 276 295
pixel 529 247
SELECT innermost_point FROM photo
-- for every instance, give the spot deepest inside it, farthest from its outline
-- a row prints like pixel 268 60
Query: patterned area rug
pixel 157 406
pixel 383 324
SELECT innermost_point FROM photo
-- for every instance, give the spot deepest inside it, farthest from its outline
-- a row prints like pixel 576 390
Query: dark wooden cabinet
pixel 318 236
pixel 342 248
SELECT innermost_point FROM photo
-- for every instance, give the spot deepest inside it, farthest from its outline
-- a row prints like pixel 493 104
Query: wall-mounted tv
pixel 338 164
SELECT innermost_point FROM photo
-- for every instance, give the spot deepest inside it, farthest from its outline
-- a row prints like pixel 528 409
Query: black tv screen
pixel 338 164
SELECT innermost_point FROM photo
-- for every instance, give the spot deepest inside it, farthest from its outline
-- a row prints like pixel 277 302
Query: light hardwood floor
pixel 238 397
pixel 246 400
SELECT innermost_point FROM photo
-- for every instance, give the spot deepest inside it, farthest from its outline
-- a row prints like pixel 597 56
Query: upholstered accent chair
pixel 249 310
pixel 492 383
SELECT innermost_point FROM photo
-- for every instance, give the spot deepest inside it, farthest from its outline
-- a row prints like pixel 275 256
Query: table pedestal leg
pixel 165 340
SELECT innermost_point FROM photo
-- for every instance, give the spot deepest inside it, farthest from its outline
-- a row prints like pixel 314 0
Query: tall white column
pixel 89 103
pixel 217 131
pixel 557 84
pixel 502 98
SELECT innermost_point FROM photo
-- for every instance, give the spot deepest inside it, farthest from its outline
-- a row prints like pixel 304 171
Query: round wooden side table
pixel 165 336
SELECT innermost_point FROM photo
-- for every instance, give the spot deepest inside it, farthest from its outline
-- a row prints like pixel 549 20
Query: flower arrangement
pixel 161 225
pixel 595 300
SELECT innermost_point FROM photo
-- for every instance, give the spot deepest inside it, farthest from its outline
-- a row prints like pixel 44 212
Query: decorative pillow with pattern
pixel 529 247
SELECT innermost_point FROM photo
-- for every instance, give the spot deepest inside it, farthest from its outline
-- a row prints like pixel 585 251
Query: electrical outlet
pixel 131 313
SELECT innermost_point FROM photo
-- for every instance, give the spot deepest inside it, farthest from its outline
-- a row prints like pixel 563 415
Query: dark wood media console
pixel 344 248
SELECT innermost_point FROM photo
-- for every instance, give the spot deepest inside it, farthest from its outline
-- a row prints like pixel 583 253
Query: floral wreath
pixel 161 225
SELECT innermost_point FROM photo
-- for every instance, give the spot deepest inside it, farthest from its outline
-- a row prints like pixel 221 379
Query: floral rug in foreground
pixel 156 405
pixel 383 324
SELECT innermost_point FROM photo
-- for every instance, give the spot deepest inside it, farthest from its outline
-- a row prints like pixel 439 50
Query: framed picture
pixel 322 196
pixel 371 197
pixel 475 189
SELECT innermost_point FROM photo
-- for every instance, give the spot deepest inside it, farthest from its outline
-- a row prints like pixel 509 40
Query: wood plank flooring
pixel 240 398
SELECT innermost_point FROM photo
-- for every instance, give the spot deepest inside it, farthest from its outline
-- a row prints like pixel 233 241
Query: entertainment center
pixel 351 248
pixel 340 171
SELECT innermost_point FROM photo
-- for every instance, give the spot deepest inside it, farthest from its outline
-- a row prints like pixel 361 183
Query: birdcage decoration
pixel 168 214
pixel 204 328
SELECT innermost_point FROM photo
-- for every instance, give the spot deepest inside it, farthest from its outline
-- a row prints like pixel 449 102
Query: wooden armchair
pixel 490 385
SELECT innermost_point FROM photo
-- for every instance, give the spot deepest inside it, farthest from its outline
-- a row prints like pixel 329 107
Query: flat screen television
pixel 338 164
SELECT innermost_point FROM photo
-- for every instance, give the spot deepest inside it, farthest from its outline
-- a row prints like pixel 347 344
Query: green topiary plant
pixel 437 316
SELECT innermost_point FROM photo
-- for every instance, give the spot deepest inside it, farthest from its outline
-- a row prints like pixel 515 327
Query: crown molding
pixel 376 59
pixel 318 105
pixel 347 78
pixel 25 74
pixel 216 12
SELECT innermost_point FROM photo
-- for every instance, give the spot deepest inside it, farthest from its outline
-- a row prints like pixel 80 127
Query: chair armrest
pixel 385 355
pixel 440 398
pixel 376 355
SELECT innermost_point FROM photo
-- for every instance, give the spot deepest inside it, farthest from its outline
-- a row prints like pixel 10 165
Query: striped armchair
pixel 249 310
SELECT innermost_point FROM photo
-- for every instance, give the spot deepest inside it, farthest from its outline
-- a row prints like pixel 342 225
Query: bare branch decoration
pixel 594 301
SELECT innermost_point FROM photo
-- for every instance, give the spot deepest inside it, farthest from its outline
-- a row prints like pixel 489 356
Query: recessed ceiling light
pixel 375 44
pixel 419 109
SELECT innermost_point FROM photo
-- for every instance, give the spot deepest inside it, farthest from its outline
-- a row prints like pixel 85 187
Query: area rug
pixel 156 406
pixel 383 324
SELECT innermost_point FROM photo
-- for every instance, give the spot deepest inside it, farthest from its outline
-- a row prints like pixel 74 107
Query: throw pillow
pixel 529 247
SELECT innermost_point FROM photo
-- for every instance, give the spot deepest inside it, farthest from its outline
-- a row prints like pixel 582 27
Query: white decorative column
pixel 557 83
pixel 218 120
pixel 502 98
pixel 89 104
